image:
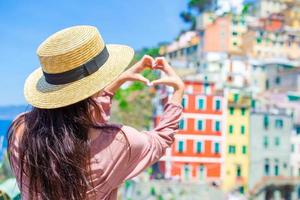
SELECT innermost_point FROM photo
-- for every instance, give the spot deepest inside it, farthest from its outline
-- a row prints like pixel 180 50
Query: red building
pixel 196 154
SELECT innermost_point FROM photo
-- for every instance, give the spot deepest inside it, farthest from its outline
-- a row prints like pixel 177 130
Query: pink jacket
pixel 121 152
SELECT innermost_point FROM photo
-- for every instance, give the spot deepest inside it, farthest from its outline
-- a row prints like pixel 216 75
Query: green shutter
pixel 266 143
pixel 243 111
pixel 236 97
pixel 244 149
pixel 218 104
pixel 277 141
pixel 231 110
pixel 230 129
pixel 200 125
pixel 199 147
pixel 180 146
pixel 201 104
pixel 183 102
pixel 217 126
pixel 217 148
pixel 242 129
pixel 181 124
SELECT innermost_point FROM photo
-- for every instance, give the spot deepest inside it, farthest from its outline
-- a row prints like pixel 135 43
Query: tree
pixel 194 8
pixel 133 103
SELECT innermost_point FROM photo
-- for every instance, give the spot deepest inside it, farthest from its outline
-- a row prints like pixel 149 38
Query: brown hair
pixel 54 150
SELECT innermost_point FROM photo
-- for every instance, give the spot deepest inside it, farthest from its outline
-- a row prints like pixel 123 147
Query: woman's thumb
pixel 159 81
pixel 141 78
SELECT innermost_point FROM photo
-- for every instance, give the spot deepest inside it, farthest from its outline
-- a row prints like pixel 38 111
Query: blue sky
pixel 24 24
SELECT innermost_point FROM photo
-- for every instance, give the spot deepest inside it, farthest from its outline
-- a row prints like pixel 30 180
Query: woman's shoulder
pixel 17 127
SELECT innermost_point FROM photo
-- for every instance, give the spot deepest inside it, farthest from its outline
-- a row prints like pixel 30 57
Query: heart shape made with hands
pixel 147 62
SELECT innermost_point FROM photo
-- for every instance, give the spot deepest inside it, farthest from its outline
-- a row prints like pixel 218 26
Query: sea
pixel 4 125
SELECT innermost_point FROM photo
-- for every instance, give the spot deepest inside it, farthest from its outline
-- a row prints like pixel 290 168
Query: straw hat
pixel 75 64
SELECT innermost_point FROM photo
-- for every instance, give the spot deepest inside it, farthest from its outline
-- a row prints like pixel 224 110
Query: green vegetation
pixel 134 101
pixel 194 8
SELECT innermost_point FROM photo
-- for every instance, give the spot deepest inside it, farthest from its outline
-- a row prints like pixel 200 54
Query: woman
pixel 64 148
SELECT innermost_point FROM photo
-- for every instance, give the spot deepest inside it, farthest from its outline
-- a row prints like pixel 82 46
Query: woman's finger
pixel 141 78
pixel 161 81
pixel 147 61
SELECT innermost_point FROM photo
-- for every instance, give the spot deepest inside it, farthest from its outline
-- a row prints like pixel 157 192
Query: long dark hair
pixel 54 150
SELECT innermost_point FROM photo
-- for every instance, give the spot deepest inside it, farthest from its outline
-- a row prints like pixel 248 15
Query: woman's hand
pixel 171 78
pixel 134 72
pixel 131 74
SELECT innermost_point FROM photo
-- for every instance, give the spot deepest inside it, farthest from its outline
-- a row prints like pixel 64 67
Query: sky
pixel 25 24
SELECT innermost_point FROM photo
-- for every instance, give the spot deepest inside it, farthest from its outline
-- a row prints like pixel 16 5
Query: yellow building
pixel 236 166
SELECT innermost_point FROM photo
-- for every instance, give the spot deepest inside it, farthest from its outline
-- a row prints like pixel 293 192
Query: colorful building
pixel 236 165
pixel 197 152
pixel 262 43
pixel 183 52
pixel 225 34
pixel 264 8
pixel 270 132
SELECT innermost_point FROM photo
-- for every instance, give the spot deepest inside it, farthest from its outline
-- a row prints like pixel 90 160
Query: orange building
pixel 225 34
pixel 197 154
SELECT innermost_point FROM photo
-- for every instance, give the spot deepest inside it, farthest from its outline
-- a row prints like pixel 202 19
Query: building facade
pixel 236 165
pixel 270 131
pixel 197 152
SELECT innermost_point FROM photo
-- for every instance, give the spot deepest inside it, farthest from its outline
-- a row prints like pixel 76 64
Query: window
pixel 207 88
pixel 201 174
pixel 201 103
pixel 266 121
pixel 266 142
pixel 231 149
pixel 200 125
pixel 217 104
pixel 187 171
pixel 242 189
pixel 277 80
pixel 180 146
pixel 199 147
pixel 258 40
pixel 293 148
pixel 267 85
pixel 242 129
pixel 253 102
pixel 277 141
pixel 230 129
pixel 234 33
pixel 217 125
pixel 238 171
pixel 276 168
pixel 184 102
pixel 234 43
pixel 217 148
pixel 231 110
pixel 244 149
pixel 279 123
pixel 181 124
pixel 243 111
pixel 236 97
pixel 267 167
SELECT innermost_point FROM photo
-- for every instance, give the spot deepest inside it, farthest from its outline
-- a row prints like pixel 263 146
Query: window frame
pixel 195 146
pixel 215 99
pixel 203 124
pixel 220 125
pixel 186 100
pixel 201 97
pixel 184 124
pixel 183 148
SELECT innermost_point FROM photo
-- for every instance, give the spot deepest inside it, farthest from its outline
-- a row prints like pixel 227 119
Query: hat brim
pixel 41 94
